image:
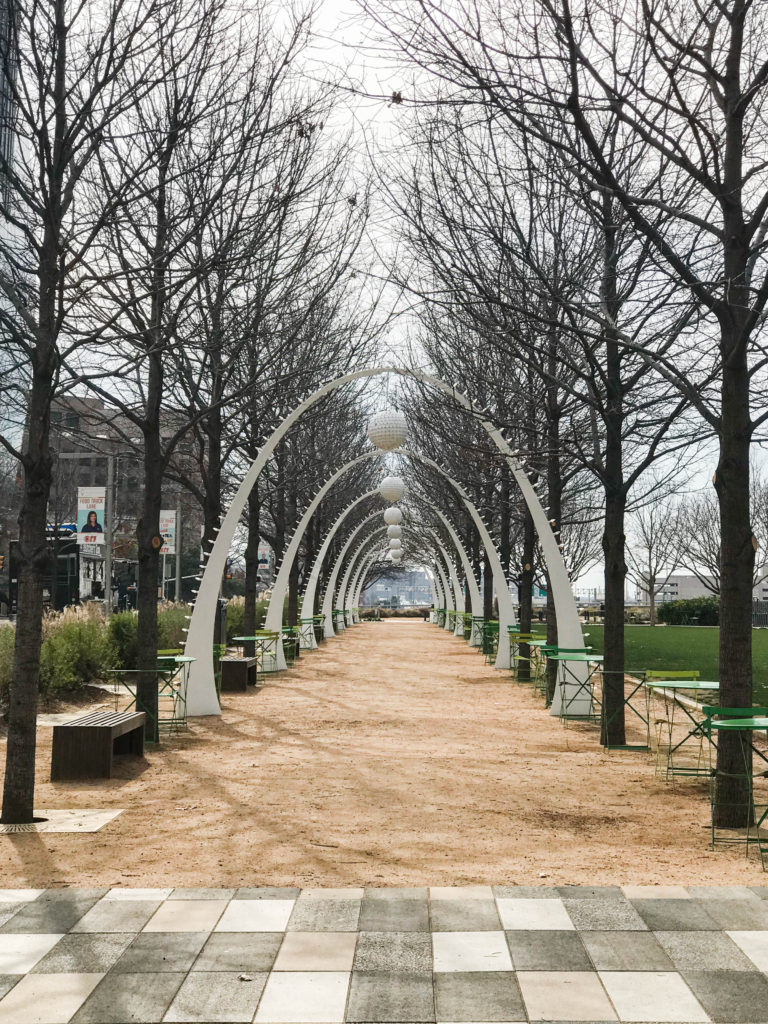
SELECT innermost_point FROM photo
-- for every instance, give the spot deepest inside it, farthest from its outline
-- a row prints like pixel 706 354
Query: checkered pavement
pixel 441 955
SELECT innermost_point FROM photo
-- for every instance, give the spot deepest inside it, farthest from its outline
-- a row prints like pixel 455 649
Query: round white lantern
pixel 395 544
pixel 387 430
pixel 393 516
pixel 396 555
pixel 394 531
pixel 392 488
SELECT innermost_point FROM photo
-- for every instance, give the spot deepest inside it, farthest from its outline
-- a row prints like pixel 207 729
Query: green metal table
pixel 754 809
pixel 584 688
pixel 264 646
pixel 695 735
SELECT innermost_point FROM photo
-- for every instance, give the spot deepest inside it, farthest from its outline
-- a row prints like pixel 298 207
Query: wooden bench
pixel 238 673
pixel 84 747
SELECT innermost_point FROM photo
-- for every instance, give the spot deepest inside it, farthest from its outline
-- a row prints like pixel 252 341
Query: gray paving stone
pixel 57 914
pixel 402 892
pixel 626 951
pixel 7 910
pixel 761 891
pixel 464 916
pixel 129 999
pixel 269 892
pixel 325 916
pixel 589 892
pixel 410 952
pixel 205 894
pixel 7 981
pixel 604 915
pixel 721 892
pixel 394 915
pixel 117 916
pixel 524 892
pixel 663 915
pixel 71 894
pixel 381 997
pixel 223 996
pixel 239 951
pixel 738 915
pixel 478 996
pixel 84 953
pixel 704 951
pixel 161 953
pixel 547 951
pixel 731 997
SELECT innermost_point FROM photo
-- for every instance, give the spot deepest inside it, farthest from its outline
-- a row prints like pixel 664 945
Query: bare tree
pixel 70 71
pixel 654 547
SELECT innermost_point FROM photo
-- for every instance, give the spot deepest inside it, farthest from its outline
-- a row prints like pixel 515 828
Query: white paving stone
pixel 312 997
pixel 331 894
pixel 534 915
pixel 186 916
pixel 461 892
pixel 256 916
pixel 20 952
pixel 119 893
pixel 565 995
pixel 470 951
pixel 754 945
pixel 19 895
pixel 47 998
pixel 652 996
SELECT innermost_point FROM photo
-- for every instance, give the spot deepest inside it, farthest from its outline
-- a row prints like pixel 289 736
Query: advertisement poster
pixel 168 531
pixel 91 503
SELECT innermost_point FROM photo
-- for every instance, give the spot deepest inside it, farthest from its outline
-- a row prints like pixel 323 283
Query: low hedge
pixel 697 611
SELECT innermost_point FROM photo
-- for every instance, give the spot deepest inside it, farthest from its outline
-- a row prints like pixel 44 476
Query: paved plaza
pixel 471 954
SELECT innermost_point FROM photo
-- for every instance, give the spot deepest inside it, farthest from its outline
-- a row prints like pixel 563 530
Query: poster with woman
pixel 91 503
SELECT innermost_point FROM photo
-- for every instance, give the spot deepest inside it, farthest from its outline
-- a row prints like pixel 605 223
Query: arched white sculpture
pixel 393 516
pixel 308 597
pixel 201 691
pixel 274 618
pixel 343 601
pixel 388 430
pixel 330 590
pixel 474 591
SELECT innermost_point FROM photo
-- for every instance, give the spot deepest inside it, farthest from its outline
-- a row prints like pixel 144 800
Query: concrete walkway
pixel 443 954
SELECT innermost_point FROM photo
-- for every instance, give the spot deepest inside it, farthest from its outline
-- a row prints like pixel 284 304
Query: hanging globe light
pixel 396 555
pixel 394 531
pixel 387 430
pixel 393 516
pixel 392 488
pixel 395 544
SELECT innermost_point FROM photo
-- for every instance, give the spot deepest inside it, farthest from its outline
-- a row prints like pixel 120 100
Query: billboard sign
pixel 91 503
pixel 168 531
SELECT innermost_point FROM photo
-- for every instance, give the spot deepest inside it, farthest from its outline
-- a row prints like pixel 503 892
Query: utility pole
pixel 177 594
pixel 109 534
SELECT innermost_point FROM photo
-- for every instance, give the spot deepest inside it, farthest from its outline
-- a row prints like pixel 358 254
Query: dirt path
pixel 392 755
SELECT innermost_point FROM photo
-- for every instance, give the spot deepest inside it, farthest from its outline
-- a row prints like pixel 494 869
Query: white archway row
pixel 308 597
pixel 201 691
pixel 330 589
pixel 476 601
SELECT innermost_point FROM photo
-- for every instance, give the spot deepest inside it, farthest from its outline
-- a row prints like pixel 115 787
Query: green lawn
pixel 682 647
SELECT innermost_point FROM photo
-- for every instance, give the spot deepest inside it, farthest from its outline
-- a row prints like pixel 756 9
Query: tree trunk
pixel 613 729
pixel 737 556
pixel 487 589
pixel 526 592
pixel 148 536
pixel 652 614
pixel 292 614
pixel 251 572
pixel 19 784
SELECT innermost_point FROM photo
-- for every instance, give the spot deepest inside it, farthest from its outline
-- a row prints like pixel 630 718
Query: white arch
pixel 474 591
pixel 201 691
pixel 308 597
pixel 274 617
pixel 330 588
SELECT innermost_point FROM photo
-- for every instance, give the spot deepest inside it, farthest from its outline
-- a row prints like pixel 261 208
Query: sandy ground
pixel 391 756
